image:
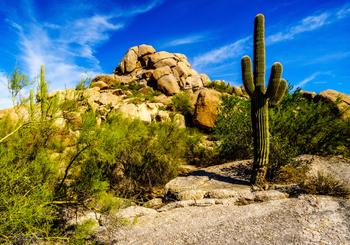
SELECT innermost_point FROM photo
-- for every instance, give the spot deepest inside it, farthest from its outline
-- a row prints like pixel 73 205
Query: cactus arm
pixel 43 93
pixel 247 75
pixel 31 102
pixel 259 52
pixel 278 96
pixel 275 79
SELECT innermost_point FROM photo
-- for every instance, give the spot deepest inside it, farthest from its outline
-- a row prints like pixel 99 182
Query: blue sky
pixel 76 38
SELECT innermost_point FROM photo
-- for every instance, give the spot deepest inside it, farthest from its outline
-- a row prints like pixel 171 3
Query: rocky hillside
pixel 144 84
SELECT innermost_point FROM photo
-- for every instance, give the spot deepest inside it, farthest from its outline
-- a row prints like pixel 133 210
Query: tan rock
pixel 205 79
pixel 144 49
pixel 184 70
pixel 171 62
pixel 144 113
pixel 135 211
pixel 163 99
pixel 168 85
pixel 338 99
pixel 237 91
pixel 128 110
pixel 206 108
pixel 161 71
pixel 129 62
pixel 162 116
pixel 104 78
pixel 108 99
pixel 156 57
pixel 100 84
pixel 179 119
pixel 195 82
pixel 308 95
pixel 154 203
pixel 191 195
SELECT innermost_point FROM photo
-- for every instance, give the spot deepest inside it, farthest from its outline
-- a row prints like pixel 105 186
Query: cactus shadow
pixel 222 178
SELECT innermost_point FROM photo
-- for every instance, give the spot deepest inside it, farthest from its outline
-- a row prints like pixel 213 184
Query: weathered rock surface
pixel 340 100
pixel 304 220
pixel 168 72
pixel 337 167
pixel 206 108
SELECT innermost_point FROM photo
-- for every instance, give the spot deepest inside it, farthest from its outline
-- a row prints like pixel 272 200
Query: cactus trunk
pixel 260 99
pixel 261 138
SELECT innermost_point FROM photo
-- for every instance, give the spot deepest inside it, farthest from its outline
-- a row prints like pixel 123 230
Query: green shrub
pixel 83 84
pixel 220 86
pixel 27 177
pixel 310 127
pixel 181 103
pixel 233 129
pixel 297 126
pixel 325 184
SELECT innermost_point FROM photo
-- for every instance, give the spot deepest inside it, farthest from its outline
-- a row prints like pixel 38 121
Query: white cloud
pixel 327 58
pixel 221 54
pixel 309 23
pixel 5 98
pixel 312 77
pixel 307 80
pixel 236 48
pixel 68 49
pixel 343 12
pixel 186 40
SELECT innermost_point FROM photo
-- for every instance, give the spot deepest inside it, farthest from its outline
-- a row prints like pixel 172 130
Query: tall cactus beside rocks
pixel 261 97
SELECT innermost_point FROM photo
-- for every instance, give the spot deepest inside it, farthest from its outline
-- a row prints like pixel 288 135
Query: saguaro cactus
pixel 43 93
pixel 261 98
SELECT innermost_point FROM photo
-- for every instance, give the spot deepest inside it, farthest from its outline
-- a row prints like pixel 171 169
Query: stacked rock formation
pixel 167 72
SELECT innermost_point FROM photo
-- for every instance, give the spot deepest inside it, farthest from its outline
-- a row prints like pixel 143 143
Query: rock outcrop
pixel 168 72
pixel 338 99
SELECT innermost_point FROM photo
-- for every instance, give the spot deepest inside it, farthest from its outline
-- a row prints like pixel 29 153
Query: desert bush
pixel 297 126
pixel 220 86
pixel 128 157
pixel 325 184
pixel 310 127
pixel 181 103
pixel 233 129
pixel 84 83
pixel 27 177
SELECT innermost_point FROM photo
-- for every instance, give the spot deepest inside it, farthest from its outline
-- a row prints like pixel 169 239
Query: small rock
pixel 191 195
pixel 135 211
pixel 100 84
pixel 154 203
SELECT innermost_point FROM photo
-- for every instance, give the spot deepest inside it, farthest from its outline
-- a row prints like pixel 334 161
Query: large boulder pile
pixel 167 72
pixel 338 99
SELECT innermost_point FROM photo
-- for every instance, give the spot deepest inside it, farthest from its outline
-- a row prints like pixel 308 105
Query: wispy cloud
pixel 307 24
pixel 312 77
pixel 5 99
pixel 68 49
pixel 221 54
pixel 343 12
pixel 327 58
pixel 187 40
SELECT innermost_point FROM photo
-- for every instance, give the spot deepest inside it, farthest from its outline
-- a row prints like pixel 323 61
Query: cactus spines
pixel 31 102
pixel 43 93
pixel 261 98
